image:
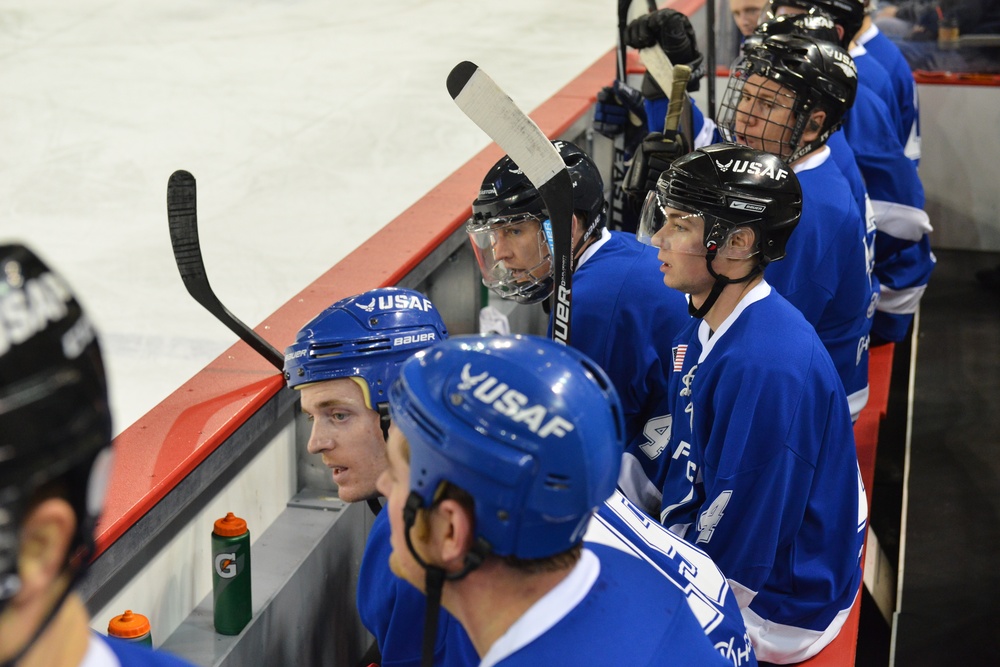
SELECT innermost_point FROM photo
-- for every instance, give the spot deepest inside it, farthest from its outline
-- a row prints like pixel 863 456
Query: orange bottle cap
pixel 128 626
pixel 230 526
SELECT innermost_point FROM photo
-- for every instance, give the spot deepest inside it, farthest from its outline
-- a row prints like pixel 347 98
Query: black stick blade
pixel 182 215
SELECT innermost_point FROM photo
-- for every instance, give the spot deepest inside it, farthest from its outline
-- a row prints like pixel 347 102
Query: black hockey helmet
pixel 812 23
pixel 848 14
pixel 507 191
pixel 821 74
pixel 507 195
pixel 54 413
pixel 731 186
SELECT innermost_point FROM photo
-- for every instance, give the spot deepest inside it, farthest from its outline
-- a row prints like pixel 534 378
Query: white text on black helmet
pixel 27 311
pixel 752 168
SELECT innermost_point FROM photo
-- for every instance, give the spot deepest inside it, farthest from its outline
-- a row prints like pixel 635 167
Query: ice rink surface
pixel 309 125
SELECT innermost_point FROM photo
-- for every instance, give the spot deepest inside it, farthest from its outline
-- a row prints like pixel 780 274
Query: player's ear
pixel 742 239
pixel 453 532
pixel 46 535
pixel 814 125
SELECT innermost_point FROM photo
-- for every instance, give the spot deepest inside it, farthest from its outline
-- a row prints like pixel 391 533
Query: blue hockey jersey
pixel 903 257
pixel 872 75
pixel 624 318
pixel 764 474
pixel 905 88
pixel 393 611
pixel 612 609
pixel 621 524
pixel 842 154
pixel 825 274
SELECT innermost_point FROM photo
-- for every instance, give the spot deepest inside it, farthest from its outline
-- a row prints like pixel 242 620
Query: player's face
pixel 746 14
pixel 394 484
pixel 764 117
pixel 347 435
pixel 522 250
pixel 681 246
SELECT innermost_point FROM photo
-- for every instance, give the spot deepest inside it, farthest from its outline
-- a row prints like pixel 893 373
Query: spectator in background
pixel 915 25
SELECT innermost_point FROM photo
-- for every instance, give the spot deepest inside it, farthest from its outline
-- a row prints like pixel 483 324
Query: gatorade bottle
pixel 131 627
pixel 231 575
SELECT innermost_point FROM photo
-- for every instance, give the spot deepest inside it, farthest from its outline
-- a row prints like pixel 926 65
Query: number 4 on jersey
pixel 710 518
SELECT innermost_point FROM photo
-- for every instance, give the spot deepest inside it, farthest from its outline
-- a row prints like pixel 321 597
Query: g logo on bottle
pixel 225 565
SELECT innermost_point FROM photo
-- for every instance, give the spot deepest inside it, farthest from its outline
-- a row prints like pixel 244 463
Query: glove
pixel 620 109
pixel 673 32
pixel 654 156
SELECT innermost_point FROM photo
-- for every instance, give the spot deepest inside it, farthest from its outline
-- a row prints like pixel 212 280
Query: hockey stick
pixel 182 214
pixel 617 213
pixel 678 100
pixel 659 66
pixel 486 104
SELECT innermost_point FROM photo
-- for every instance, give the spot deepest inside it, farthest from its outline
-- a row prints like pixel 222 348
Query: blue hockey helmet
pixel 367 336
pixel 532 429
pixel 55 420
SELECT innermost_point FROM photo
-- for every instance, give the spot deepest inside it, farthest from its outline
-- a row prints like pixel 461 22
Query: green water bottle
pixel 231 575
pixel 131 627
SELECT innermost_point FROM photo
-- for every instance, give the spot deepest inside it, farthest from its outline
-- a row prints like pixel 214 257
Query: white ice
pixel 309 125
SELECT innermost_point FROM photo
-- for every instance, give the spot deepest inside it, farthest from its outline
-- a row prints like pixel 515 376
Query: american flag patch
pixel 679 353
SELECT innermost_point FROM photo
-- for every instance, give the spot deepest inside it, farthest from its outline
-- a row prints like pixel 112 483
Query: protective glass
pixel 673 227
pixel 673 230
pixel 758 112
pixel 513 256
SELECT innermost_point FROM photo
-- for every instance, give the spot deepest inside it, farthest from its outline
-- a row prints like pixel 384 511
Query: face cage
pixel 528 285
pixel 761 109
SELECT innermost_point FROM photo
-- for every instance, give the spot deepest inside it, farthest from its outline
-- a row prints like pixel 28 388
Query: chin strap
pixel 82 558
pixel 434 577
pixel 721 282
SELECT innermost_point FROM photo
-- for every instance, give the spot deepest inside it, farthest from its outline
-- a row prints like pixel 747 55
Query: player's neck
pixel 728 300
pixel 490 599
pixel 64 642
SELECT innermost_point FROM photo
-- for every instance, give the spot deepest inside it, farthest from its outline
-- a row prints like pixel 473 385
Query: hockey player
pixel 787 96
pixel 763 473
pixel 501 450
pixel 617 296
pixel 901 256
pixel 820 26
pixel 55 446
pixel 342 363
pixel 891 58
pixel 848 15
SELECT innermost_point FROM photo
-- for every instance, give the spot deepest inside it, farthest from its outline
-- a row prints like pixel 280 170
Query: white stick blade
pixel 479 97
pixel 658 66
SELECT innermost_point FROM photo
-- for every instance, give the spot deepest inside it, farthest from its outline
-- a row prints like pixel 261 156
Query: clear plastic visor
pixel 670 229
pixel 512 251
pixel 674 230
